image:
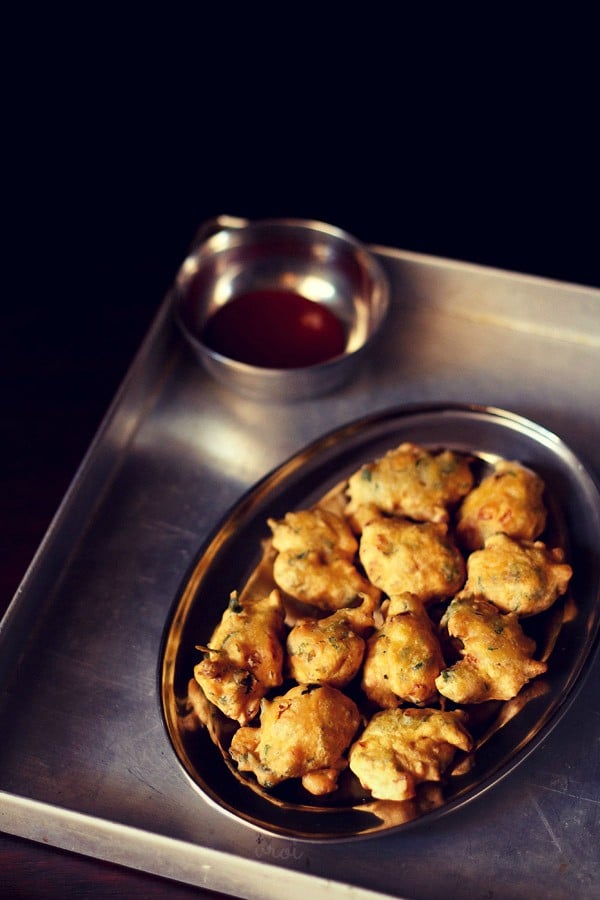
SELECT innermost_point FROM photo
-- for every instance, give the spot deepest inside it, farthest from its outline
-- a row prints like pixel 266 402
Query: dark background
pixel 470 138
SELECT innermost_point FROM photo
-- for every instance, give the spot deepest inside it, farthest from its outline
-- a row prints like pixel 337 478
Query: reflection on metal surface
pixel 505 732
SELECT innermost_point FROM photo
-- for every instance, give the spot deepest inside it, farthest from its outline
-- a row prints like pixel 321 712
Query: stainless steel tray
pixel 86 763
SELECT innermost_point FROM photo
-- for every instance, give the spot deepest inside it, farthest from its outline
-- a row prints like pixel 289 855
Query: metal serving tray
pixel 85 760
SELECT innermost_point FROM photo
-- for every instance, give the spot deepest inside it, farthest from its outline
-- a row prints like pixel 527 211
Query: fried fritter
pixel 330 650
pixel 518 576
pixel 316 529
pixel 415 529
pixel 315 559
pixel 401 748
pixel 510 500
pixel 302 734
pixel 497 655
pixel 244 657
pixel 420 557
pixel 409 481
pixel 403 657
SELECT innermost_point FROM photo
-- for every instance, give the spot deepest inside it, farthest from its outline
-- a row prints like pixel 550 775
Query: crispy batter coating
pixel 399 555
pixel 510 500
pixel 403 657
pixel 416 530
pixel 497 655
pixel 315 559
pixel 315 529
pixel 409 481
pixel 400 749
pixel 302 734
pixel 518 576
pixel 244 657
pixel 330 650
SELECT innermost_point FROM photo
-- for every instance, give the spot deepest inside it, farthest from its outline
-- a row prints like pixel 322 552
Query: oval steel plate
pixel 232 552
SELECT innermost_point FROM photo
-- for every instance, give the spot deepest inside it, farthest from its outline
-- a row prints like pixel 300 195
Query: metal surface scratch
pixel 546 823
pixel 544 787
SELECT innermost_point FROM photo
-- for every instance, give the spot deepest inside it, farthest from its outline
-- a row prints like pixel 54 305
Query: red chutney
pixel 275 330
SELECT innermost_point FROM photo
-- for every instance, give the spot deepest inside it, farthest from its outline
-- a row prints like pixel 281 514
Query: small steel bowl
pixel 317 261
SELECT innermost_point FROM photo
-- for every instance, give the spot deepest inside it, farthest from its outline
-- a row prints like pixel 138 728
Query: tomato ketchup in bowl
pixel 279 309
pixel 275 329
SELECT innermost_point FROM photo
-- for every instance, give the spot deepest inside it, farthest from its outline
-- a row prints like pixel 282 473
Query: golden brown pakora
pixel 509 500
pixel 402 748
pixel 315 559
pixel 458 563
pixel 399 555
pixel 244 657
pixel 330 650
pixel 302 734
pixel 518 576
pixel 409 481
pixel 403 657
pixel 497 656
pixel 316 529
